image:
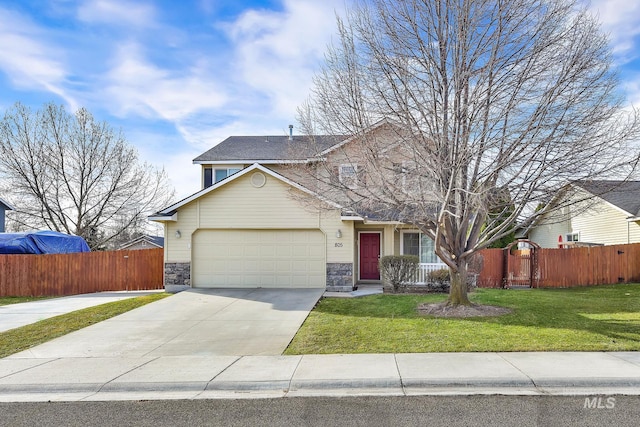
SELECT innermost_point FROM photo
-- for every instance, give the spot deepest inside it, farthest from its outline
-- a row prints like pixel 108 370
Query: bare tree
pixel 494 106
pixel 72 174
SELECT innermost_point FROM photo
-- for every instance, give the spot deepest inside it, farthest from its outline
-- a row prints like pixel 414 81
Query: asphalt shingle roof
pixel 623 194
pixel 269 148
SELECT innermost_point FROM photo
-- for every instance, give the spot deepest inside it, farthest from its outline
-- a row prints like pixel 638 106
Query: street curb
pixel 371 383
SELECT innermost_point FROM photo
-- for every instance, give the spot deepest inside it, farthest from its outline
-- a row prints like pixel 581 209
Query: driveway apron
pixel 237 322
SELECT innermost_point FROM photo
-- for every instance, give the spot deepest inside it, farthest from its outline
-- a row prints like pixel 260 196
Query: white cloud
pixel 134 14
pixel 138 86
pixel 278 52
pixel 28 60
pixel 621 20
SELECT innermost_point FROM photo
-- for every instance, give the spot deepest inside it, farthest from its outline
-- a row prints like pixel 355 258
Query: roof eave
pixel 7 205
pixel 247 162
pixel 164 218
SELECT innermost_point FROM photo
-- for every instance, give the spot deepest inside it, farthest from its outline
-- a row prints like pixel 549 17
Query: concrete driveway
pixel 235 322
pixel 24 313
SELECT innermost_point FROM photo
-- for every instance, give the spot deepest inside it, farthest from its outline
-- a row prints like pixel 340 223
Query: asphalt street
pixel 450 411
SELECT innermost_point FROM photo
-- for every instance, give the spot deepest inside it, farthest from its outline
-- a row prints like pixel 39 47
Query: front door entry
pixel 369 256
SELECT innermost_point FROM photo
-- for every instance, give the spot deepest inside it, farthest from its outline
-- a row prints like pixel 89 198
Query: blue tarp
pixel 41 242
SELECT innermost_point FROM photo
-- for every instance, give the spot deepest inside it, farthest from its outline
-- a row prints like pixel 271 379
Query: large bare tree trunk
pixel 458 293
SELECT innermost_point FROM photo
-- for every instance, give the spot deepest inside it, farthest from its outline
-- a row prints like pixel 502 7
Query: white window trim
pixel 415 231
pixel 227 171
pixel 575 233
pixel 354 178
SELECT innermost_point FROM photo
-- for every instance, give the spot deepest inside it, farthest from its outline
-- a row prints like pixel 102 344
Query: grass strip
pixel 25 337
pixel 18 300
pixel 601 318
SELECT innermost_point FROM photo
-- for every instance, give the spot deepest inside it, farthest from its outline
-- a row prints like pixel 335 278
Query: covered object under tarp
pixel 41 242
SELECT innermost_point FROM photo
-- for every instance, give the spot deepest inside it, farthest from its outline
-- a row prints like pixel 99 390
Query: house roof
pixel 266 149
pixel 279 149
pixel 4 204
pixel 154 240
pixel 624 195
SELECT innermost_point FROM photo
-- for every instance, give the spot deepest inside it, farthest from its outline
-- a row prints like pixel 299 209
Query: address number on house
pixel 338 245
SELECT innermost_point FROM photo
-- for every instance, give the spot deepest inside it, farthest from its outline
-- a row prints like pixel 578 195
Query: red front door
pixel 369 256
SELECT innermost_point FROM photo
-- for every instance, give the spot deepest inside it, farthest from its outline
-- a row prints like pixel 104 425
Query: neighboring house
pixel 611 217
pixel 143 242
pixel 4 206
pixel 257 223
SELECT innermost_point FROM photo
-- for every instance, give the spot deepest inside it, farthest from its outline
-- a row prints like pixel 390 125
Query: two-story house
pixel 258 221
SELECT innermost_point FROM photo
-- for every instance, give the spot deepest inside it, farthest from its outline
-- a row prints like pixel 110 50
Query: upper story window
pixel 211 175
pixel 221 174
pixel 348 175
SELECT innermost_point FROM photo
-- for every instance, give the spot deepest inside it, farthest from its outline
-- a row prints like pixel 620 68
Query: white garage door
pixel 258 258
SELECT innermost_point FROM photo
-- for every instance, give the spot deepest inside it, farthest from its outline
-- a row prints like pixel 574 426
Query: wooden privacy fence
pixel 563 268
pixel 79 273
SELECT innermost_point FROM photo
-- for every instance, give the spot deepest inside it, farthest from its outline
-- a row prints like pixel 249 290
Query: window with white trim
pixel 421 245
pixel 573 237
pixel 208 177
pixel 348 175
pixel 221 174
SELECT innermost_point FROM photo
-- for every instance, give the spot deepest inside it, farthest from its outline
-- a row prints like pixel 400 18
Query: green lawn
pixel 603 318
pixel 25 337
pixel 17 300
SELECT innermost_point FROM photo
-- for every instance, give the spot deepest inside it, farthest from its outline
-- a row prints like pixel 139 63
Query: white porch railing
pixel 425 268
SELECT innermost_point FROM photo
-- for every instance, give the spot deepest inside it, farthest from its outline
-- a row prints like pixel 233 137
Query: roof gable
pixel 624 195
pixel 168 213
pixel 152 240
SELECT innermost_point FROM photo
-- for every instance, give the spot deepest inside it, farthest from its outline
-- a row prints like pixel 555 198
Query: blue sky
pixel 179 76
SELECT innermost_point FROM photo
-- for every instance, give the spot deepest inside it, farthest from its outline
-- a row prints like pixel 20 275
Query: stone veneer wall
pixel 177 276
pixel 340 277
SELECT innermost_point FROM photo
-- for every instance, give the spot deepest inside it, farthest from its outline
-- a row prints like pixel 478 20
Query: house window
pixel 221 174
pixel 420 245
pixel 208 177
pixel 573 237
pixel 348 175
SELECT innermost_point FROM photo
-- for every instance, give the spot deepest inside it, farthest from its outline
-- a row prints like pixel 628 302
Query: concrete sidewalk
pixel 203 377
pixel 21 314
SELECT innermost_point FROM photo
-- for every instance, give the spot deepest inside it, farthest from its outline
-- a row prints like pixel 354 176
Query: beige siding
pixel 339 249
pixel 179 249
pixel 605 224
pixel 240 205
pixel 599 223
